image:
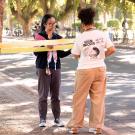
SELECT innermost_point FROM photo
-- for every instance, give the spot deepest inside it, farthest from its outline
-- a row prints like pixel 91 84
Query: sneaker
pixel 92 130
pixel 42 123
pixel 58 123
pixel 73 130
pixel 95 130
pixel 98 131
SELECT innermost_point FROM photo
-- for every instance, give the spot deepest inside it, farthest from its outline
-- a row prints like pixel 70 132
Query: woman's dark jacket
pixel 41 60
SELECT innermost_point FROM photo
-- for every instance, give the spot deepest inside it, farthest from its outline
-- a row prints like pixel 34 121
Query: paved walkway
pixel 18 102
pixel 16 99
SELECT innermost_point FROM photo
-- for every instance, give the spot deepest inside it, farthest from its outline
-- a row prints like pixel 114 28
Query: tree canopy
pixel 26 10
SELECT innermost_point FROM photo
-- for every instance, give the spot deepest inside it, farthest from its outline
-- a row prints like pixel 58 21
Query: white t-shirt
pixel 91 46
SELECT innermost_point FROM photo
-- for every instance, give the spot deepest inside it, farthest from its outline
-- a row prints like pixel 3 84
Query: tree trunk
pixel 125 36
pixel 26 28
pixel 10 24
pixel 26 32
pixel 104 14
pixel 132 1
pixel 52 6
pixel 2 2
pixel 69 9
pixel 82 4
pixel 44 5
pixel 94 3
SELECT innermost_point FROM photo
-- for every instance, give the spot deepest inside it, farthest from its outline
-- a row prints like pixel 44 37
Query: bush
pixel 113 23
pixel 98 25
pixel 76 25
pixel 130 24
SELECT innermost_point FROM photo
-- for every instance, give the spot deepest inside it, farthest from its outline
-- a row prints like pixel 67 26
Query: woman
pixel 89 49
pixel 49 72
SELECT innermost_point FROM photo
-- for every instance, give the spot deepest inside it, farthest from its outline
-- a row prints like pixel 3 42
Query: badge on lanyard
pixel 48 72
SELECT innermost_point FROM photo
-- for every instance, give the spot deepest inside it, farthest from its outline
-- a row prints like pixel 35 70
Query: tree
pixel 48 6
pixel 24 11
pixel 94 3
pixel 2 2
pixel 132 1
pixel 62 12
pixel 70 7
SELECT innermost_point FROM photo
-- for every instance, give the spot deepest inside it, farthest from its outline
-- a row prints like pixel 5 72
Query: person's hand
pixel 49 46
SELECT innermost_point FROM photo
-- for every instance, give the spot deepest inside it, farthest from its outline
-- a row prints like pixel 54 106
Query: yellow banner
pixel 35 46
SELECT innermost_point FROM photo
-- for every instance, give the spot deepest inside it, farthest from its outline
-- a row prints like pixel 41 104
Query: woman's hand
pixel 49 46
pixel 76 56
pixel 110 51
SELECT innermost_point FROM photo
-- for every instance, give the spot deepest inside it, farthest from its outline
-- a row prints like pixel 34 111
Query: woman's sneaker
pixel 95 130
pixel 42 123
pixel 98 131
pixel 58 123
pixel 92 130
pixel 73 130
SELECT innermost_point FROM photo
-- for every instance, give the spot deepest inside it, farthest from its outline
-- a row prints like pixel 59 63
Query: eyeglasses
pixel 51 23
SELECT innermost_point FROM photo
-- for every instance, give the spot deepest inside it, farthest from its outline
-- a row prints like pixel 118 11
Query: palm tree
pixel 1 17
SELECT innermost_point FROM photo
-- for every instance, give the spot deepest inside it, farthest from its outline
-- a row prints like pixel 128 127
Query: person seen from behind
pixel 91 47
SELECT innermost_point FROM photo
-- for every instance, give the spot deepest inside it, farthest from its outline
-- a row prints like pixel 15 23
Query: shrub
pixel 113 23
pixel 130 24
pixel 76 25
pixel 98 25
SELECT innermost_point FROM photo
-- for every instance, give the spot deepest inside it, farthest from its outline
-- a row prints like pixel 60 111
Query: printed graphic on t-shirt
pixel 93 49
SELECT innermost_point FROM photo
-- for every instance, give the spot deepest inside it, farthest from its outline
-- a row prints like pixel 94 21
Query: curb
pixel 124 46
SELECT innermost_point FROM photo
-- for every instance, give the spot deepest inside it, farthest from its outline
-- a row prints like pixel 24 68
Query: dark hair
pixel 86 15
pixel 45 18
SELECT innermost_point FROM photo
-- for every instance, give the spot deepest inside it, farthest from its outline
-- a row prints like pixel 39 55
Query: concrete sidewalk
pixel 14 94
pixel 18 102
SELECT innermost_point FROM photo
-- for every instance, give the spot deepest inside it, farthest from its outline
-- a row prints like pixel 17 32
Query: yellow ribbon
pixel 35 46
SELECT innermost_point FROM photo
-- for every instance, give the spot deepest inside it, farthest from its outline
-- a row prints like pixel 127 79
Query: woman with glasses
pixel 49 72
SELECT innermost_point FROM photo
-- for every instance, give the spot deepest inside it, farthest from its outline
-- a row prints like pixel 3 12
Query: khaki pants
pixel 93 82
